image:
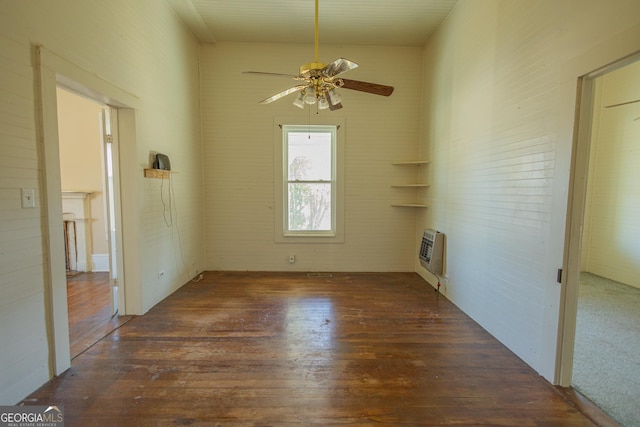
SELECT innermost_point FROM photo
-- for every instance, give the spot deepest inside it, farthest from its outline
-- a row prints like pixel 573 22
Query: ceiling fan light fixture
pixel 334 97
pixel 310 96
pixel 299 101
pixel 323 104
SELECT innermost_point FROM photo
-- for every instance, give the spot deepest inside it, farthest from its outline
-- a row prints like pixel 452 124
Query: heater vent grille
pixel 431 251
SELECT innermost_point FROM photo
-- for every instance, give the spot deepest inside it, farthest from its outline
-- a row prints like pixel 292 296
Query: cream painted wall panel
pixel 612 231
pixel 144 49
pixel 23 365
pixel 595 130
pixel 239 153
pixel 498 111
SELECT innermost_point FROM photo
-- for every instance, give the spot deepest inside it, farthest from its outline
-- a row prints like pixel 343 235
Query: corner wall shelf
pixel 417 186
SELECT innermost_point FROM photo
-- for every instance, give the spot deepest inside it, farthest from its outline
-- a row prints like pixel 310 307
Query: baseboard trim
pixel 587 407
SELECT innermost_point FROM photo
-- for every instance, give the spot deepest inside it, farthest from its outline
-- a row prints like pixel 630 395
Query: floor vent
pixel 319 275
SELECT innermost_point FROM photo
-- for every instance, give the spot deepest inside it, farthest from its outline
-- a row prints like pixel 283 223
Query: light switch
pixel 28 198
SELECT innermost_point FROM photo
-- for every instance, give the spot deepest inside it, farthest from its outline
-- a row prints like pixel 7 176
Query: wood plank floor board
pixel 285 349
pixel 89 310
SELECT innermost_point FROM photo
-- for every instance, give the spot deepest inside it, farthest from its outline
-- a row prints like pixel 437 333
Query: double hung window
pixel 309 167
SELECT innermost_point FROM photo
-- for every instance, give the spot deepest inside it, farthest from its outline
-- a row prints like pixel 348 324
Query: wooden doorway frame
pixel 52 71
pixel 576 205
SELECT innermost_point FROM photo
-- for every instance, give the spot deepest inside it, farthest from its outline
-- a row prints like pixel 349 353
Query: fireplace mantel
pixel 68 194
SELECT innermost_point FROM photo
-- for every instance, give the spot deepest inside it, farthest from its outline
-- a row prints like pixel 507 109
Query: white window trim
pixel 281 234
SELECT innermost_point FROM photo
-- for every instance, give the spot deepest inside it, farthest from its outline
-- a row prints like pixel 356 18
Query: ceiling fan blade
pixel 338 66
pixel 373 88
pixel 261 73
pixel 282 94
pixel 334 107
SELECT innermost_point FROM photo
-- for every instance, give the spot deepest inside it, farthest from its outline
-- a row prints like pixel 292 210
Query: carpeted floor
pixel 606 366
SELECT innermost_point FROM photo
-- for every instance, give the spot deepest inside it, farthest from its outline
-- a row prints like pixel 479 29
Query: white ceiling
pixel 351 22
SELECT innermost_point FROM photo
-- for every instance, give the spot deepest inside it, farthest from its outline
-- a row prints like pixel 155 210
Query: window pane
pixel 309 156
pixel 309 207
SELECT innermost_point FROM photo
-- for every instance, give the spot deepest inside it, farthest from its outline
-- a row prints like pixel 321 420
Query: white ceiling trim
pixel 188 13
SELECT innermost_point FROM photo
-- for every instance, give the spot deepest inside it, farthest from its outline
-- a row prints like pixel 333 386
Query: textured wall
pixel 499 107
pixel 238 136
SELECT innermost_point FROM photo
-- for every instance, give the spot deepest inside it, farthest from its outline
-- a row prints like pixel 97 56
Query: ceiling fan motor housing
pixel 311 66
pixel 319 83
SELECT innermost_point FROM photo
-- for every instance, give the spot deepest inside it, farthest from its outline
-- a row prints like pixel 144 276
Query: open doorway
pixel 88 211
pixel 54 71
pixel 602 294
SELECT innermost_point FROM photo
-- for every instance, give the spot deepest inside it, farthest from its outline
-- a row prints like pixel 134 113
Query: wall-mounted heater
pixel 431 251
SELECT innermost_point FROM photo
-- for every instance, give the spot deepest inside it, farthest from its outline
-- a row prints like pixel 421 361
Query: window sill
pixel 310 238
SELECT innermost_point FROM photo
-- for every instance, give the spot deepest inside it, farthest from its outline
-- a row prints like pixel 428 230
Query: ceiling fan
pixel 318 82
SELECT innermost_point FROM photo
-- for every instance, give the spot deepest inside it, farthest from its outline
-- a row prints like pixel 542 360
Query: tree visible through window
pixel 310 161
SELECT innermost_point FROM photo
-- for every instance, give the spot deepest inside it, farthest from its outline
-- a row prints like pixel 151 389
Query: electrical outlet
pixel 292 259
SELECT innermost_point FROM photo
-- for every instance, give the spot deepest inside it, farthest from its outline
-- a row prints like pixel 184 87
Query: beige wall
pixel 611 236
pixel 142 48
pixel 81 159
pixel 498 118
pixel 239 158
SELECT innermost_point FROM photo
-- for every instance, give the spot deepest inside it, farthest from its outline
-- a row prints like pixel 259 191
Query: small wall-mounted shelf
pixel 417 186
pixel 156 173
pixel 409 205
pixel 412 162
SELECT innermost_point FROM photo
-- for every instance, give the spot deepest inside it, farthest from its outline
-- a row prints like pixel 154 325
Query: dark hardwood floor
pixel 89 305
pixel 285 349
